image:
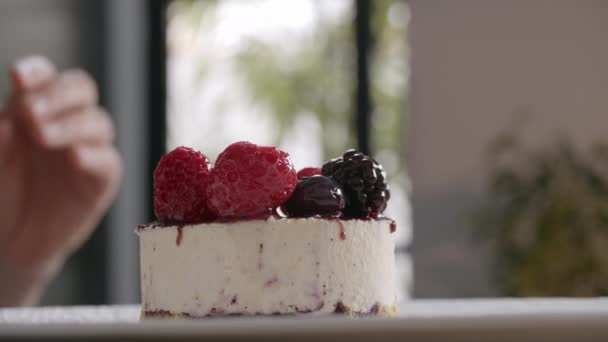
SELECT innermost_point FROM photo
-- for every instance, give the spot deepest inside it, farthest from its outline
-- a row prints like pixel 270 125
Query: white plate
pixel 429 320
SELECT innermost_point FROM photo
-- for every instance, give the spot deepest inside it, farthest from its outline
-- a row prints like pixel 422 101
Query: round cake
pixel 268 267
pixel 250 236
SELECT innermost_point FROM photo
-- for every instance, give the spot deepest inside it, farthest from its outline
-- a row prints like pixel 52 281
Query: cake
pixel 249 236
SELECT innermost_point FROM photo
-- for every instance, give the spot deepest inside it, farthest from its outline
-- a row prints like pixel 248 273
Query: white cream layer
pixel 265 267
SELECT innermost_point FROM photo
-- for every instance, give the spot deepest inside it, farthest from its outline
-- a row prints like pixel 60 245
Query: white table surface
pixel 498 319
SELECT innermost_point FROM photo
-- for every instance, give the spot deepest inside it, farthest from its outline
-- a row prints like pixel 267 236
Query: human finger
pixel 6 137
pixel 90 126
pixel 32 72
pixel 102 163
pixel 73 89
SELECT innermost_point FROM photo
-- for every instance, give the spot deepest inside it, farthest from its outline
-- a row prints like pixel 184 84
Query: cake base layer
pixel 269 267
pixel 380 310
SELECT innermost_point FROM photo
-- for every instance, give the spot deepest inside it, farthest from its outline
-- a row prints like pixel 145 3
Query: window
pixel 287 73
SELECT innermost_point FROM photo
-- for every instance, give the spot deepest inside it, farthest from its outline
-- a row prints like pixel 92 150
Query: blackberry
pixel 315 196
pixel 363 183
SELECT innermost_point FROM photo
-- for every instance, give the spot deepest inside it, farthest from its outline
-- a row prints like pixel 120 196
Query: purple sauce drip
pixel 180 235
pixel 341 308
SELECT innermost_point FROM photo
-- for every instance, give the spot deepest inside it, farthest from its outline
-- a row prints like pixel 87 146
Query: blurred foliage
pixel 549 223
pixel 315 74
pixel 389 74
pixel 319 77
pixel 316 78
pixel 195 10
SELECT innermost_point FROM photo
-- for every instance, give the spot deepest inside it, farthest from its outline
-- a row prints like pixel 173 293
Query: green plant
pixel 548 218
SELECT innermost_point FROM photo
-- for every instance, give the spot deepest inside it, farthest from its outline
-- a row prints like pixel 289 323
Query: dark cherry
pixel 315 196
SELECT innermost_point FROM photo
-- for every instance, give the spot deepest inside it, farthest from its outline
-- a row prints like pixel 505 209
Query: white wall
pixel 475 64
pixel 53 28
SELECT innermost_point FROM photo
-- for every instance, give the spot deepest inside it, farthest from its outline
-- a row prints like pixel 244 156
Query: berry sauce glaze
pixel 276 216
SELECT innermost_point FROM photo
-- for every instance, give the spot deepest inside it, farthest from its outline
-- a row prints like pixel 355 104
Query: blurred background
pixel 488 116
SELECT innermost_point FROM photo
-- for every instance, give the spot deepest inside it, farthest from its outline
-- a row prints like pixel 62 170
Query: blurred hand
pixel 58 174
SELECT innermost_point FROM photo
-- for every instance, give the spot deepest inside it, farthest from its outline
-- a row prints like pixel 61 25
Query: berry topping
pixel 363 183
pixel 308 172
pixel 180 187
pixel 249 181
pixel 315 196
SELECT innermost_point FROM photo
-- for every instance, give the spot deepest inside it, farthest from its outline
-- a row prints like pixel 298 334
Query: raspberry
pixel 248 181
pixel 315 196
pixel 180 187
pixel 363 183
pixel 308 171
